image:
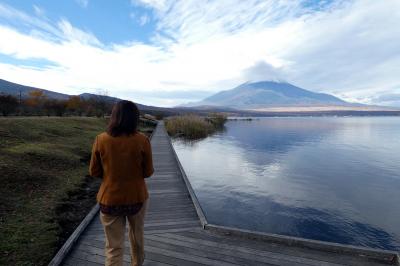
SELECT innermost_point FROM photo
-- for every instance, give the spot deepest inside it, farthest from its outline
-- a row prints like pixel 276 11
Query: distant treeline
pixel 37 103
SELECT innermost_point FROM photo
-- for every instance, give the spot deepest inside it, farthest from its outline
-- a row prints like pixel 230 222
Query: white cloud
pixel 71 33
pixel 38 11
pixel 348 48
pixel 82 3
pixel 33 24
pixel 261 71
pixel 143 20
pixel 156 4
pixel 392 99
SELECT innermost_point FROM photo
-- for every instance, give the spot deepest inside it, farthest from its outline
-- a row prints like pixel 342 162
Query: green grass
pixel 43 163
pixel 194 126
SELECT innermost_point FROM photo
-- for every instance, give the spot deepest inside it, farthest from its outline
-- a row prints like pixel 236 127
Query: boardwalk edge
pixel 64 250
pixel 199 210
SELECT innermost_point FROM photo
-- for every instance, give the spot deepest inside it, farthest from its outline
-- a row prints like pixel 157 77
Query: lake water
pixel 327 178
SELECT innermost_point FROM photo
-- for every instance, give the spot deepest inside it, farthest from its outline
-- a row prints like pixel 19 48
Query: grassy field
pixel 44 193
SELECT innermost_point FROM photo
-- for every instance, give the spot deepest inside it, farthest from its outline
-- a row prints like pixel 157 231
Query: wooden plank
pixel 98 236
pixel 277 248
pixel 167 181
pixel 158 226
pixel 79 262
pixel 233 250
pixel 98 225
pixel 161 187
pixel 173 230
pixel 82 255
pixel 149 262
pixel 171 219
pixel 96 247
pixel 170 260
pixel 94 254
pixel 177 226
pixel 169 194
pixel 212 254
pixel 179 222
pixel 152 214
pixel 164 208
pixel 170 201
pixel 168 190
pixel 170 204
pixel 187 257
pixel 166 215
pixel 100 244
pixel 384 256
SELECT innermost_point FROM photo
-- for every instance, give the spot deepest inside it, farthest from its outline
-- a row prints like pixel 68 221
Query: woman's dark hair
pixel 124 119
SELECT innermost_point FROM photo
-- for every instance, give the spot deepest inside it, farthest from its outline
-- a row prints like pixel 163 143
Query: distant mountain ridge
pixel 232 102
pixel 263 94
pixel 15 89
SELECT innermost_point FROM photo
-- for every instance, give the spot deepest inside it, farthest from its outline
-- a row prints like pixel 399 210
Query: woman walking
pixel 122 158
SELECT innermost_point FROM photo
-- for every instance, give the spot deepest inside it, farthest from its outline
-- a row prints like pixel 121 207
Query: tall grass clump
pixel 193 126
pixel 218 120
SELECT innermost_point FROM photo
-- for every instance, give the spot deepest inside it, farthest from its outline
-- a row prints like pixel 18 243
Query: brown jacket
pixel 123 162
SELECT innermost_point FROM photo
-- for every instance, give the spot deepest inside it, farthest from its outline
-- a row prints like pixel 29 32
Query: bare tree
pixel 101 102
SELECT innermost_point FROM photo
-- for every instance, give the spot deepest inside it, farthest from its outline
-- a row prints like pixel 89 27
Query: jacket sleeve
pixel 95 167
pixel 147 164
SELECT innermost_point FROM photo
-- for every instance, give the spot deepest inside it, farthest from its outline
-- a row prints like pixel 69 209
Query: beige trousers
pixel 114 229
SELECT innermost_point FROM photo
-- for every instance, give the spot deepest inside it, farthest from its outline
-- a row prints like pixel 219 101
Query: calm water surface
pixel 327 178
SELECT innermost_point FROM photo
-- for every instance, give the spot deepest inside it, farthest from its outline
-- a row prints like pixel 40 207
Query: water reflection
pixel 331 179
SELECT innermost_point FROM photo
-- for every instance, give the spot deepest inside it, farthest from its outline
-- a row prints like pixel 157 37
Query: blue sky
pixel 165 52
pixel 108 21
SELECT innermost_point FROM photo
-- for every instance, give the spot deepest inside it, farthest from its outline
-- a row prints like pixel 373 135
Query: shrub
pixel 8 104
pixel 217 119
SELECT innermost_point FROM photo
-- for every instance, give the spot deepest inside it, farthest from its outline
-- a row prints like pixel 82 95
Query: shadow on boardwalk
pixel 174 234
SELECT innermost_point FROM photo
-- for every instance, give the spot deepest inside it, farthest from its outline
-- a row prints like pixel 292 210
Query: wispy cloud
pixel 156 4
pixel 82 3
pixel 71 33
pixel 143 20
pixel 348 48
pixel 38 11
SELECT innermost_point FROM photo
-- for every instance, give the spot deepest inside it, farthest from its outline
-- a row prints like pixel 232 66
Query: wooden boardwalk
pixel 174 234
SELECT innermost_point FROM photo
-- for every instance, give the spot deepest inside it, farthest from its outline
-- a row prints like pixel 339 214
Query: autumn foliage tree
pixel 36 98
pixel 76 105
